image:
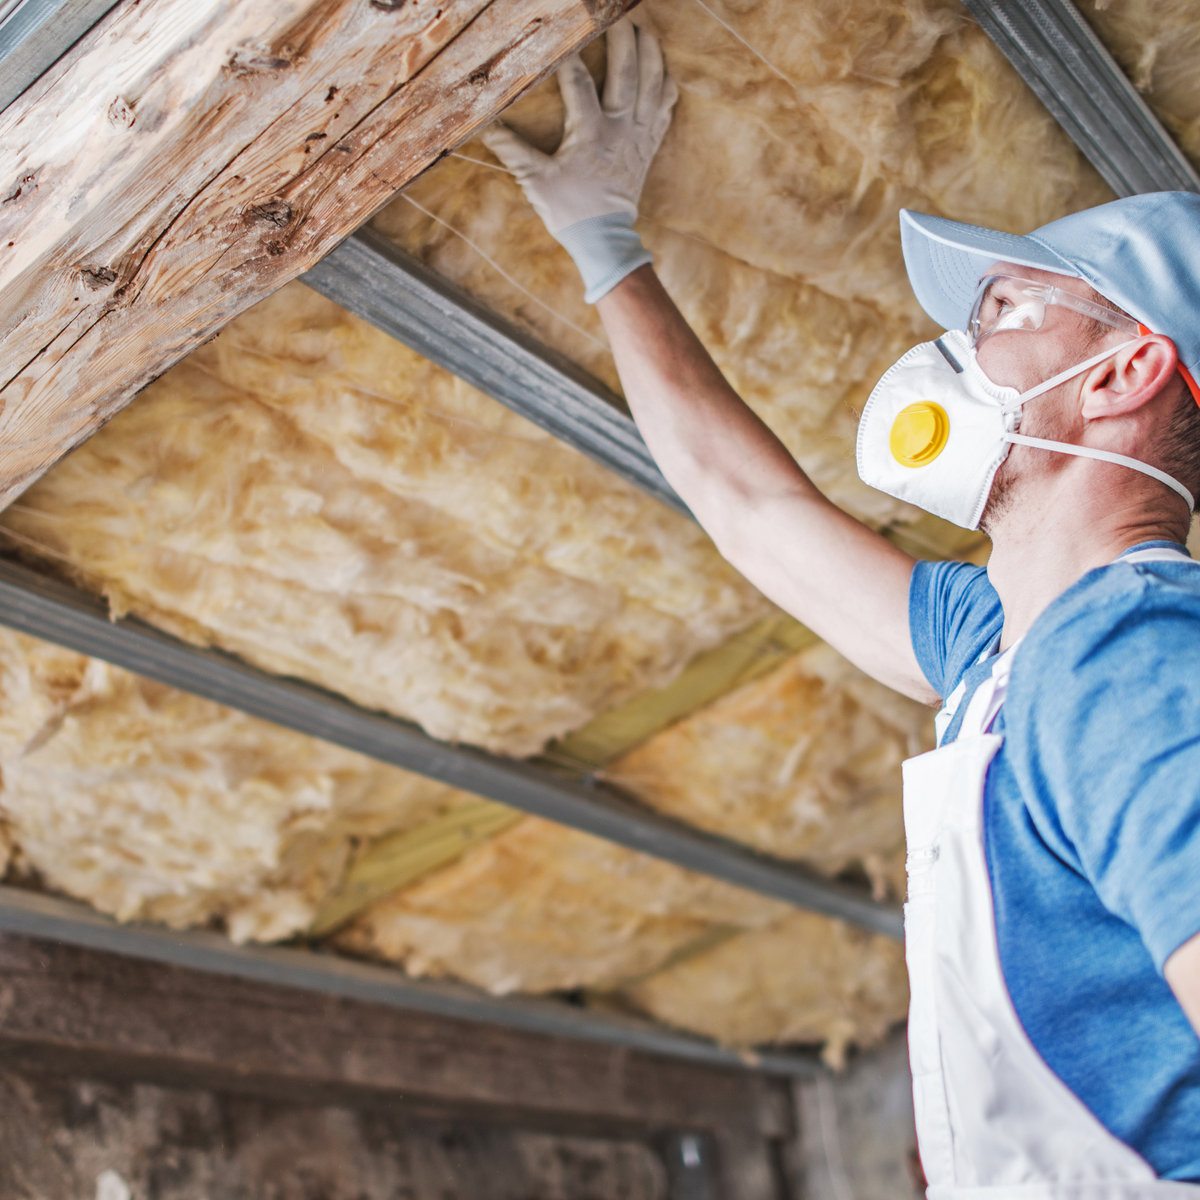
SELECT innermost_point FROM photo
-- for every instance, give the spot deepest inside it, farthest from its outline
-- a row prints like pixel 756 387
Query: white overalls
pixel 993 1121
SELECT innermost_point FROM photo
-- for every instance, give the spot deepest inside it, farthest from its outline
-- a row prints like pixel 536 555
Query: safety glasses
pixel 1007 302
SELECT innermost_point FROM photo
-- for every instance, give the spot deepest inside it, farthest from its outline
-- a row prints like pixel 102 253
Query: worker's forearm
pixel 709 445
pixel 841 579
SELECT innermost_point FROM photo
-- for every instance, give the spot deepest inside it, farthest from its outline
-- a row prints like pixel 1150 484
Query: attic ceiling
pixel 314 497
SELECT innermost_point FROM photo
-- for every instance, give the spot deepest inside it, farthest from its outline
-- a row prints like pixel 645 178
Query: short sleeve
pixel 1103 719
pixel 953 613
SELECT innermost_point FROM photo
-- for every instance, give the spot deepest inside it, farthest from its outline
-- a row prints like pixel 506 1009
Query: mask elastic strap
pixel 1069 373
pixel 1106 456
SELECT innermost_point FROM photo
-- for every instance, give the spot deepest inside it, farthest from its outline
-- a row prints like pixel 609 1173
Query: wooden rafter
pixel 188 157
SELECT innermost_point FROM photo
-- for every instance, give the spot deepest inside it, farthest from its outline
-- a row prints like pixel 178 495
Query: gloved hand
pixel 587 191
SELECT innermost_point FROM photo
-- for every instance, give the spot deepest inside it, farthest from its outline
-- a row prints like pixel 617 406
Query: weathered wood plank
pixel 133 1019
pixel 188 157
pixel 78 1137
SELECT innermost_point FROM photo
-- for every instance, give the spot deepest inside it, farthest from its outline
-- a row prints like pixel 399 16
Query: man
pixel 1053 920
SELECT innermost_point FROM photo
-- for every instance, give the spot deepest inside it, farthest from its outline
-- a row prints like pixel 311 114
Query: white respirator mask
pixel 936 429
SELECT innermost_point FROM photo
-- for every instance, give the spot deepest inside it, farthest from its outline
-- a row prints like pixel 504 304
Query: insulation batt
pixel 156 805
pixel 542 908
pixel 803 979
pixel 771 208
pixel 1157 42
pixel 803 763
pixel 313 496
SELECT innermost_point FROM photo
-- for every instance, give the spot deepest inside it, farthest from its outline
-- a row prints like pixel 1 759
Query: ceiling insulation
pixel 1157 43
pixel 314 497
pixel 543 908
pixel 772 207
pixel 804 764
pixel 310 495
pixel 802 979
pixel 152 804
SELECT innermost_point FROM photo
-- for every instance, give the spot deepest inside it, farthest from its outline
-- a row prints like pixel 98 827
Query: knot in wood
pixel 98 277
pixel 253 60
pixel 26 183
pixel 388 5
pixel 273 212
pixel 120 112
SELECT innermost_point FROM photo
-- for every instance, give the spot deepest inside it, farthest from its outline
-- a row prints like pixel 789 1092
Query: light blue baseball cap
pixel 1140 252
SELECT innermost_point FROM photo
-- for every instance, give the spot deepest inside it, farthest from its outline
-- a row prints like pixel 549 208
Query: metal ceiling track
pixel 1065 63
pixel 398 294
pixel 34 604
pixel 35 34
pixel 32 914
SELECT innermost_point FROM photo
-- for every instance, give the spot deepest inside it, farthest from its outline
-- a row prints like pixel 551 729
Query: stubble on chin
pixel 999 499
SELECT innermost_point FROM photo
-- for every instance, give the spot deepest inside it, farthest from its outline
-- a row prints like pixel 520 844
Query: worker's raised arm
pixel 844 581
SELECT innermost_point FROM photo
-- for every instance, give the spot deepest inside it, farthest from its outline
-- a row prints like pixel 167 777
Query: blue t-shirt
pixel 1092 828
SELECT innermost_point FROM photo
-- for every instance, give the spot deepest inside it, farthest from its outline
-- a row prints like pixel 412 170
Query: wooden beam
pixel 67 1006
pixel 188 157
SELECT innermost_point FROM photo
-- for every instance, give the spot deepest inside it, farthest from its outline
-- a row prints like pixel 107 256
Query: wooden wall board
pixel 114 1139
pixel 63 1004
pixel 188 157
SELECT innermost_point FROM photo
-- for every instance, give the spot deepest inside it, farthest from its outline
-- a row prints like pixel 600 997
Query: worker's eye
pixel 1001 299
pixel 994 306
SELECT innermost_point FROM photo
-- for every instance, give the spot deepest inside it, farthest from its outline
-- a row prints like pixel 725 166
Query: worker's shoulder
pixel 1109 594
pixel 1126 616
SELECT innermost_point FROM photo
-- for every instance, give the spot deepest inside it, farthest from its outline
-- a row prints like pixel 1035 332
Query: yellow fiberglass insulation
pixel 772 207
pixel 803 763
pixel 1157 43
pixel 803 979
pixel 313 496
pixel 541 908
pixel 156 805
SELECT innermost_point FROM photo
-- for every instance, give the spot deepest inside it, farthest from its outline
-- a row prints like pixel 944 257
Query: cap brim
pixel 946 260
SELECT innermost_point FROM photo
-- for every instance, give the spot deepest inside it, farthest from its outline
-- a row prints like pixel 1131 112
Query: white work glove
pixel 587 191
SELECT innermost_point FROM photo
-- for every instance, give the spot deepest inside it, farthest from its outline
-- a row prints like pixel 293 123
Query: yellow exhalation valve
pixel 919 434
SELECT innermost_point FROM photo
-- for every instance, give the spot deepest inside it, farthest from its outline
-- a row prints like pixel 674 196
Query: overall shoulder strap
pixel 988 699
pixel 1155 554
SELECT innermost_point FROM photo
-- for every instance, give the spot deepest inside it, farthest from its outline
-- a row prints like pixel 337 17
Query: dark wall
pixel 123 1079
pixel 71 1139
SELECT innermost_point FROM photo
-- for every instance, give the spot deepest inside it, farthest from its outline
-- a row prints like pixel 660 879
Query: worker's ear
pixel 1131 378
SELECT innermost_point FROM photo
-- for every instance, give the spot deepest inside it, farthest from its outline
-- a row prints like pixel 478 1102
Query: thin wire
pixel 479 162
pixel 496 266
pixel 831 1140
pixel 757 53
pixel 41 547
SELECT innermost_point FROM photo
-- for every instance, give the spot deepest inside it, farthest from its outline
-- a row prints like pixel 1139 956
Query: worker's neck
pixel 1061 528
